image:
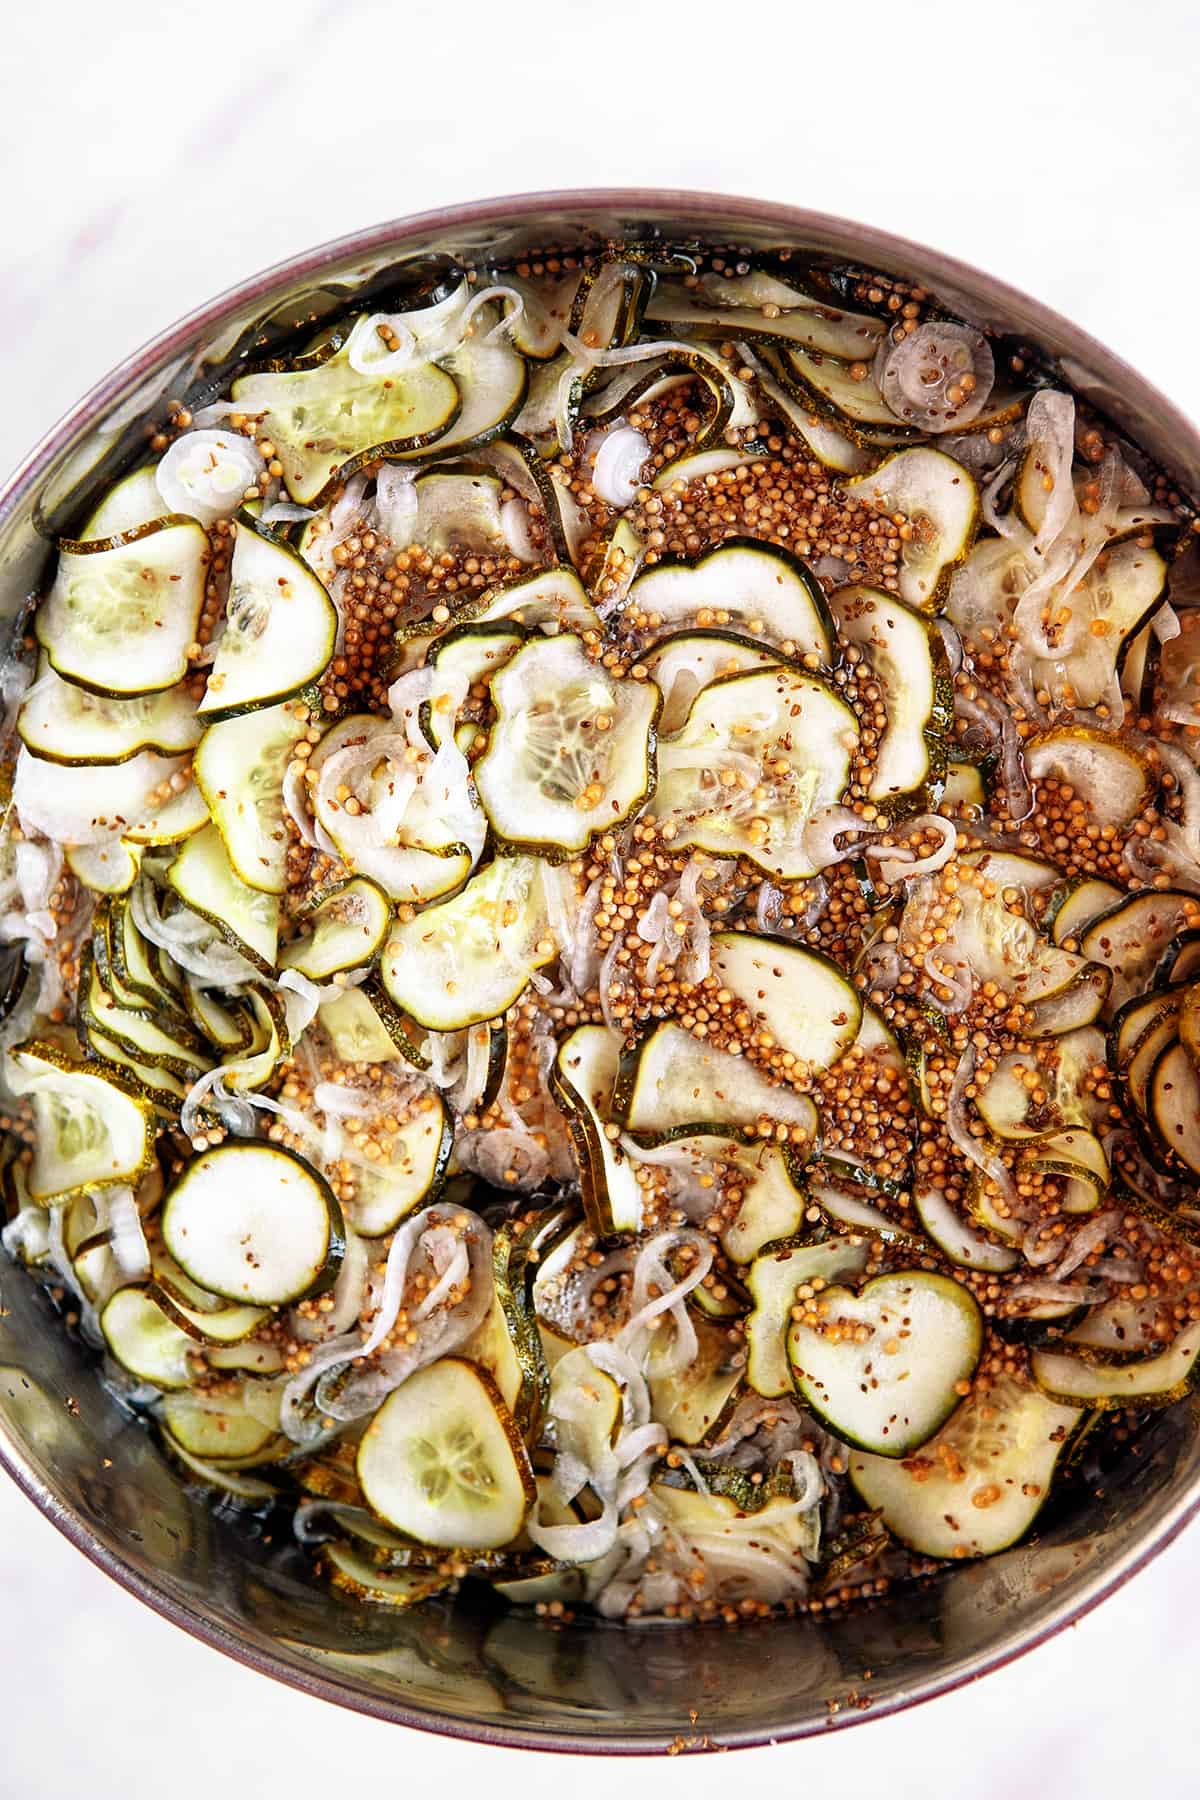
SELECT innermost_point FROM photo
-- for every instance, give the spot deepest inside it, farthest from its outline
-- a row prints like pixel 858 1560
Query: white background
pixel 154 154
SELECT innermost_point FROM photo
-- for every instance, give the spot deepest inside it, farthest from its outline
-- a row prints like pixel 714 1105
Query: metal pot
pixel 471 1668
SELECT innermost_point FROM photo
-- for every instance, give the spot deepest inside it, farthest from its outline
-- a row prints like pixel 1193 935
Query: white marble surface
pixel 152 155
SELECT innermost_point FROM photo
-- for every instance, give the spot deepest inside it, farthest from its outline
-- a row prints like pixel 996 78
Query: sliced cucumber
pixel 443 1461
pixel 216 1433
pixel 750 586
pixel 775 1278
pixel 881 1367
pixel 1173 1103
pixel 731 308
pixel 940 499
pixel 773 1203
pixel 1084 901
pixel 64 723
pixel 326 420
pixel 144 1341
pixel 105 868
pixel 1120 592
pixel 978 1486
pixel 239 768
pixel 571 753
pixel 79 807
pixel 469 958
pixel 786 741
pixel 845 391
pixel 1131 936
pixel 364 1026
pixel 254 1223
pixel 582 1082
pixel 344 930
pixel 206 881
pixel 121 621
pixel 280 627
pixel 800 998
pixel 1146 1381
pixel 473 652
pixel 908 663
pixel 134 500
pixel 683 664
pixel 492 380
pixel 411 1173
pixel 1103 771
pixel 694 1405
pixel 92 1131
pixel 459 508
pixel 955 1237
pixel 143 1037
pixel 214 1324
pixel 171 820
pixel 964 787
pixel 673 1085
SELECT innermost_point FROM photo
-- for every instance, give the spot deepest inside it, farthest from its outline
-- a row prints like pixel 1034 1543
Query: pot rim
pixel 860 240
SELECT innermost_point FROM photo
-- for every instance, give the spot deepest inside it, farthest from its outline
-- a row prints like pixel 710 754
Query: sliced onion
pixel 397 504
pixel 207 473
pixel 616 475
pixel 518 533
pixel 365 349
pixel 919 376
pixel 956 1124
pixel 896 863
pixel 127 1237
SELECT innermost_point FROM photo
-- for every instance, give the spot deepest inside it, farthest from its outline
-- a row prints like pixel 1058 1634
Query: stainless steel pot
pixel 471 1669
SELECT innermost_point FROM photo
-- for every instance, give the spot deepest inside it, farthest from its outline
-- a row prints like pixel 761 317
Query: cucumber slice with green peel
pixel 776 1275
pixel 121 621
pixel 126 963
pixel 553 600
pixel 694 1406
pixel 356 1030
pixel 269 1045
pixel 64 723
pixel 239 768
pixel 964 787
pixel 1083 901
pixel 411 1174
pixel 179 816
pixel 747 585
pixel 443 1461
pixel 417 865
pixel 1078 1380
pixel 688 661
pixel 92 1130
pixel 468 959
pixel 941 500
pixel 571 754
pixel 355 1573
pixel 473 653
pixel 732 310
pixel 253 1356
pixel 220 1325
pixel 229 1028
pixel 1132 1023
pixel 1122 590
pixel 1002 945
pixel 882 1367
pixel 672 1085
pixel 1141 1063
pixel 134 1030
pixel 159 1086
pixel 1106 773
pixel 217 1433
pixel 1172 1104
pixel 326 420
pixel 908 661
pixel 105 868
pixel 206 881
pixel 79 807
pixel 1180 960
pixel 851 399
pixel 797 996
pixel 978 1486
pixel 956 1237
pixel 144 1341
pixel 344 931
pixel 582 1081
pixel 492 380
pixel 774 1201
pixel 459 508
pixel 1131 936
pixel 758 755
pixel 254 1223
pixel 133 501
pixel 506 1343
pixel 280 627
